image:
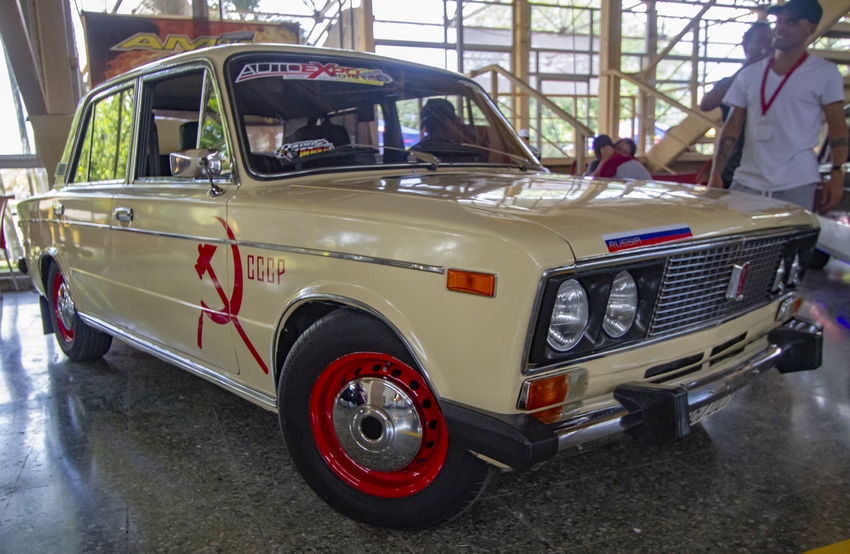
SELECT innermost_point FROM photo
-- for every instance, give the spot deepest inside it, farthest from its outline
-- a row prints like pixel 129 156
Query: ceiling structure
pixel 626 67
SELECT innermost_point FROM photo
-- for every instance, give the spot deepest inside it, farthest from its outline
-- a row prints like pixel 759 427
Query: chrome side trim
pixel 224 381
pixel 294 250
pixel 605 421
pixel 342 256
pixel 76 223
pixel 265 246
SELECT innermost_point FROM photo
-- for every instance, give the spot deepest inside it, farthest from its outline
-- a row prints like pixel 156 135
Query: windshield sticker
pixel 646 237
pixel 313 71
pixel 299 149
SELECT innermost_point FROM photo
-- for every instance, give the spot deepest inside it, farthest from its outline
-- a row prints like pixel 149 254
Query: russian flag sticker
pixel 646 237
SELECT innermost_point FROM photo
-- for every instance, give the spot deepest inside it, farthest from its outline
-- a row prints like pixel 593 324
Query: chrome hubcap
pixel 377 424
pixel 65 306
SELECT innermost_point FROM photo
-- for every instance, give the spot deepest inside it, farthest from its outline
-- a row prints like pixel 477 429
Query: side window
pixel 212 129
pixel 181 111
pixel 106 141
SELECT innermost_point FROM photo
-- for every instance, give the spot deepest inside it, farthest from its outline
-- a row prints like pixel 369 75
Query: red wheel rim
pixel 431 455
pixel 63 308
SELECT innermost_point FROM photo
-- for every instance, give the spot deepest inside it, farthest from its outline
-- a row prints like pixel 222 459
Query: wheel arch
pixel 306 311
pixel 46 259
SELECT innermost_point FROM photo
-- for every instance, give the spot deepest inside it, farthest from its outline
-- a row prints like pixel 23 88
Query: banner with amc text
pixel 118 43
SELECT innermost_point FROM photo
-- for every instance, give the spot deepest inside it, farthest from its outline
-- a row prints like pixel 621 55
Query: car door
pixel 82 208
pixel 170 241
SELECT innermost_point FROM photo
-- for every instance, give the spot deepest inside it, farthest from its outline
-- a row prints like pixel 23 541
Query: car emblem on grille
pixel 735 290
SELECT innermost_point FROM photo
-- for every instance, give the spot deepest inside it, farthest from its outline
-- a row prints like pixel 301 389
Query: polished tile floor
pixel 129 454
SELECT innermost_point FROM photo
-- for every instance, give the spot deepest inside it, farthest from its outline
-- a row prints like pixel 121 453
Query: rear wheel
pixel 366 432
pixel 76 339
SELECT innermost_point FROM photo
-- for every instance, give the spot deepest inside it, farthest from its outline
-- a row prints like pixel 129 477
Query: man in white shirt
pixel 781 99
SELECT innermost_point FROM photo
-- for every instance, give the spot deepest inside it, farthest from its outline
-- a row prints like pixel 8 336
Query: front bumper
pixel 650 413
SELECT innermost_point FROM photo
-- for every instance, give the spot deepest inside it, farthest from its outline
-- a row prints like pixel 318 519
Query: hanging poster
pixel 119 43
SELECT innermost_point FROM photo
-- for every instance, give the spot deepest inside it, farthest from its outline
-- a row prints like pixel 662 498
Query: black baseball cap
pixel 800 9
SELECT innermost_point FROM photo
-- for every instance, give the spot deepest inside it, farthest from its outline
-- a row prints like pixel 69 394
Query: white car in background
pixel 834 239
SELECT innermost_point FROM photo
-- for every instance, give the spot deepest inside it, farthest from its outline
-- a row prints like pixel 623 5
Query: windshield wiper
pixel 431 159
pixel 522 162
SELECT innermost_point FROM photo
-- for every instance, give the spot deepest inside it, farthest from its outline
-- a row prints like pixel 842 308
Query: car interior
pixel 294 123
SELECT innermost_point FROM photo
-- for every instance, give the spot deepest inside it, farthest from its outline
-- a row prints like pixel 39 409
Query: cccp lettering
pixel 265 269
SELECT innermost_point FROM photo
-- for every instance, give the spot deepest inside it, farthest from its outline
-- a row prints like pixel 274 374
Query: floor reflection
pixel 129 454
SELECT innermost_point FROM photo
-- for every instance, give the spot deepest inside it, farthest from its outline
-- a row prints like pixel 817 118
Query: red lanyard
pixel 766 105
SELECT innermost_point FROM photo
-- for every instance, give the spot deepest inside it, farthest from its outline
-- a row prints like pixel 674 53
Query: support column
pixel 200 10
pixel 520 52
pixel 44 61
pixel 647 102
pixel 609 58
pixel 365 27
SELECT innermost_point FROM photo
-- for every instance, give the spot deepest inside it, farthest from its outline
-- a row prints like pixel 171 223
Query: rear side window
pixel 106 138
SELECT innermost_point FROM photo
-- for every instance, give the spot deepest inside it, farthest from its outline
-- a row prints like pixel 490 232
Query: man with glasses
pixel 781 99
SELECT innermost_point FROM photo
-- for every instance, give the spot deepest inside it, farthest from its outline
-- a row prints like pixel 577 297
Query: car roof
pixel 219 54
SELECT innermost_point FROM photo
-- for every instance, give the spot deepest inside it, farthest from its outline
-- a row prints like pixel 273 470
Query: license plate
pixel 712 407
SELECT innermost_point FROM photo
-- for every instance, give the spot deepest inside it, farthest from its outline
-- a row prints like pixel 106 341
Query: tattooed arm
pixel 729 134
pixel 837 132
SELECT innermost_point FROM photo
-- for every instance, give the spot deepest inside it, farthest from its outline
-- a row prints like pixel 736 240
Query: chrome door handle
pixel 123 214
pixel 58 209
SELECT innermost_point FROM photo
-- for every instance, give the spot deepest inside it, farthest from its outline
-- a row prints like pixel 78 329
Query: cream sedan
pixel 416 316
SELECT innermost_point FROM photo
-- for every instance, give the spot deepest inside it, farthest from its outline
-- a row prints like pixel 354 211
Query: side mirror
pixel 196 162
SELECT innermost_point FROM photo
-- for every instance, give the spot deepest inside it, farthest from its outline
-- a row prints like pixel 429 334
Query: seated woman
pixel 618 162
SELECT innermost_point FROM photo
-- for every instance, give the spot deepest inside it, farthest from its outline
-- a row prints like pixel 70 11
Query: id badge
pixel 764 131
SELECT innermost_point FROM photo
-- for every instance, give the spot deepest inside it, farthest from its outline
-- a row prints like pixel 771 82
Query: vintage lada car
pixel 417 316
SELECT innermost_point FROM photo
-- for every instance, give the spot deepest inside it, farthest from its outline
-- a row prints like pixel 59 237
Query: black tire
pixel 76 339
pixel 332 369
pixel 819 259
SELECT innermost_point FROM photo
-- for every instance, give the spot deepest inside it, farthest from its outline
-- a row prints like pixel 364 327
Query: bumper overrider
pixel 649 413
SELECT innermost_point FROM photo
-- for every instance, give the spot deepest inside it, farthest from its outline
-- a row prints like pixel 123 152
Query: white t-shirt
pixel 779 147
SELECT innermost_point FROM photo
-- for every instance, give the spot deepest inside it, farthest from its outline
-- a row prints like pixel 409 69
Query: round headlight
pixel 622 305
pixel 569 316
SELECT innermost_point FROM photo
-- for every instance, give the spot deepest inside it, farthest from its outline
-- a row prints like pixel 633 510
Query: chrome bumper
pixel 651 413
pixel 658 413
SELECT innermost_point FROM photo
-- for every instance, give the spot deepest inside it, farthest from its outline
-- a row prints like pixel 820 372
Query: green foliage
pixel 106 148
pixel 212 132
pixel 491 16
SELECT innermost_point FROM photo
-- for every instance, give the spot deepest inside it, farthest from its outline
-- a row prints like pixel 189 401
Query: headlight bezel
pixel 597 286
pixel 583 304
pixel 632 304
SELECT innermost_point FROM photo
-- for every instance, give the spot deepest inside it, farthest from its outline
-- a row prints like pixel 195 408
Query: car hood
pixel 594 216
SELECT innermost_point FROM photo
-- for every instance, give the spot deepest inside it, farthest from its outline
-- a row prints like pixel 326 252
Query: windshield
pixel 299 112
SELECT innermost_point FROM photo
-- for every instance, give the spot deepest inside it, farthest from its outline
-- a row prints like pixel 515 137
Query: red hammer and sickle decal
pixel 229 311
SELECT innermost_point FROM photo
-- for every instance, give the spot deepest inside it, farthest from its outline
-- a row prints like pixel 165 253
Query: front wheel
pixel 76 339
pixel 366 432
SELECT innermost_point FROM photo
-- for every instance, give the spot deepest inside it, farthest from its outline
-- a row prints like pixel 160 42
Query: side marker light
pixel 471 282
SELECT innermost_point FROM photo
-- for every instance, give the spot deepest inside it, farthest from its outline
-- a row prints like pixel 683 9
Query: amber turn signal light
pixel 546 392
pixel 471 282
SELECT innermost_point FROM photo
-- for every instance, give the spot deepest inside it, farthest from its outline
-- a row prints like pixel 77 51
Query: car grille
pixel 693 289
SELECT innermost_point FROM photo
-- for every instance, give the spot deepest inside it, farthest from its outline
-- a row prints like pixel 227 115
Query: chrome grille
pixel 693 290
